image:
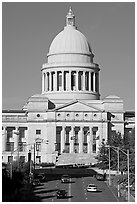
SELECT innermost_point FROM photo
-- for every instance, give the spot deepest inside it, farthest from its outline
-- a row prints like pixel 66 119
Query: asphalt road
pixel 76 191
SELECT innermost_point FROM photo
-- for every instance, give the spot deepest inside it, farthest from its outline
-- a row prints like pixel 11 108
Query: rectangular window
pixel 38 146
pixel 10 146
pixel 38 132
pixel 38 159
pixel 22 159
pixel 10 159
pixel 9 134
pixel 22 146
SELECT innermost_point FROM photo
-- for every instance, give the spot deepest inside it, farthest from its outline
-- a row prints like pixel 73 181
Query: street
pixel 76 191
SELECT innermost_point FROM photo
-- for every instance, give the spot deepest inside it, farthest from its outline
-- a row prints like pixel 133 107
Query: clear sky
pixel 29 28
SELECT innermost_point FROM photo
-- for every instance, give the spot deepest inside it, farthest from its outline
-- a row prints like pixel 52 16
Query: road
pixel 76 191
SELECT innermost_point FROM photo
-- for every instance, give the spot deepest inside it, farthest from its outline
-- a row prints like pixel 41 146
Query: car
pixel 65 179
pixel 61 193
pixel 100 177
pixel 91 187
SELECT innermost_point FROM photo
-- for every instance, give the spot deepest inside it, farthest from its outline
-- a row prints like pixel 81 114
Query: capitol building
pixel 67 118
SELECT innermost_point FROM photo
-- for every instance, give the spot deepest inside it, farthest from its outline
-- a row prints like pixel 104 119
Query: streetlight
pixel 127 154
pixel 117 150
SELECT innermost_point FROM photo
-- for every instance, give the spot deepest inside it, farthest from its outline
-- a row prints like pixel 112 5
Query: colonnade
pixel 70 81
pixel 77 138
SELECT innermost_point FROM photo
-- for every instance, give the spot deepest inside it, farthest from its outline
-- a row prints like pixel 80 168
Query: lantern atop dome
pixel 70 18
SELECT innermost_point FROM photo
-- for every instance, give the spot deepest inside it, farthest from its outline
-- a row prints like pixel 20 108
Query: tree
pixel 103 154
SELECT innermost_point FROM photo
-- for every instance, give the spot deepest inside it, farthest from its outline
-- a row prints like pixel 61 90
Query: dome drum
pixel 70 57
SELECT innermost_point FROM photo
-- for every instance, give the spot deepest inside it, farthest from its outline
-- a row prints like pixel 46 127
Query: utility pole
pixel 34 157
pixel 109 167
pixel 118 173
pixel 128 175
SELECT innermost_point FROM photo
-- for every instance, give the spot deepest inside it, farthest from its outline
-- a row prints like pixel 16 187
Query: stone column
pixel 77 73
pixel 55 81
pixel 4 138
pixel 16 139
pixel 62 80
pixel 46 82
pixel 89 81
pixel 70 80
pixel 42 82
pixel 94 82
pixel 90 149
pixel 80 139
pixel 71 139
pixel 84 77
pixel 62 138
pixel 50 81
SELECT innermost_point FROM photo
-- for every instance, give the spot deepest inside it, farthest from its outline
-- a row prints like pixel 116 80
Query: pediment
pixel 77 106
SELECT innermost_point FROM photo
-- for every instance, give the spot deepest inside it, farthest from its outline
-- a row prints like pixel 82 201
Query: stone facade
pixel 68 116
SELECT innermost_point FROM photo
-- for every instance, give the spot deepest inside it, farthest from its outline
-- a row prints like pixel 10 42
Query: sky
pixel 28 29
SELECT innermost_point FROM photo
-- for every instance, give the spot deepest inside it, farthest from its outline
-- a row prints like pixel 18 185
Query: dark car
pixel 41 177
pixel 61 193
pixel 65 179
pixel 100 177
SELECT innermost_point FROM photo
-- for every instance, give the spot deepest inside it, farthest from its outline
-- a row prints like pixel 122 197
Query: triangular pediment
pixel 77 106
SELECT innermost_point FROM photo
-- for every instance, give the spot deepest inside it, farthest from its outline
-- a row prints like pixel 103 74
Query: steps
pixel 76 158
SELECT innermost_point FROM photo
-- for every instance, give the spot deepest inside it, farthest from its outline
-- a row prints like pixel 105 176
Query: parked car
pixel 91 187
pixel 61 193
pixel 65 179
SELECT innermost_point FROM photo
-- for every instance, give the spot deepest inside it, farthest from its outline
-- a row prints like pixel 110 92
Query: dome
pixel 70 40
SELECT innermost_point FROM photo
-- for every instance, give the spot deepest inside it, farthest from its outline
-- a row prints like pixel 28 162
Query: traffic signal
pixel 29 156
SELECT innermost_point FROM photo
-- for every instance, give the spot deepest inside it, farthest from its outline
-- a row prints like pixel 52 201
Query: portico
pixel 76 139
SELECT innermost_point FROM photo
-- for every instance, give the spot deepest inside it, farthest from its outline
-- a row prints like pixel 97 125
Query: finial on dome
pixel 70 18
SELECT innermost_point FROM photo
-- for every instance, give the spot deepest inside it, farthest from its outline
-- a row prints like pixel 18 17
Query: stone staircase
pixel 76 158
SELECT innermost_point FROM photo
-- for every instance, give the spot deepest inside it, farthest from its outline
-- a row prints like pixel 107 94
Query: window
pixel 38 132
pixel 38 159
pixel 22 159
pixel 38 146
pixel 10 159
pixel 9 133
pixel 22 146
pixel 10 146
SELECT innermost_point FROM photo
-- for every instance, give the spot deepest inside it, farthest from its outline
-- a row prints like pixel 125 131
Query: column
pixel 62 80
pixel 94 82
pixel 55 81
pixel 91 141
pixel 80 139
pixel 63 139
pixel 47 83
pixel 50 81
pixel 70 80
pixel 89 81
pixel 4 138
pixel 16 138
pixel 77 80
pixel 71 140
pixel 84 76
pixel 42 82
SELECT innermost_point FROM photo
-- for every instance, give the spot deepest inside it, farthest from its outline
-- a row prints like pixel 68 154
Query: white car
pixel 91 187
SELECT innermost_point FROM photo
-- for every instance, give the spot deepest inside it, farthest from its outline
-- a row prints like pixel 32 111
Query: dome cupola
pixel 70 68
